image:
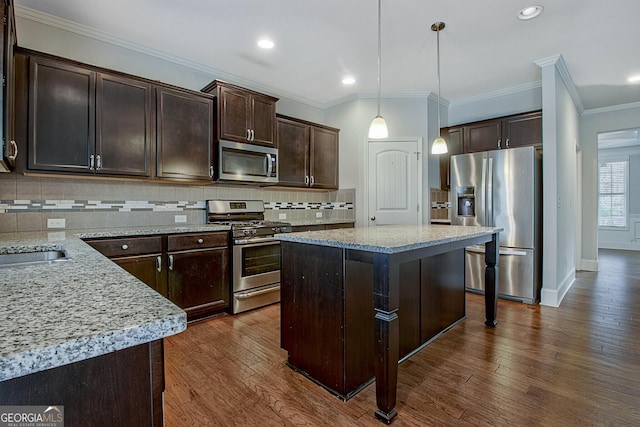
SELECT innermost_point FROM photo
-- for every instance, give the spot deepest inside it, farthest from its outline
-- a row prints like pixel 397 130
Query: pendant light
pixel 378 128
pixel 439 145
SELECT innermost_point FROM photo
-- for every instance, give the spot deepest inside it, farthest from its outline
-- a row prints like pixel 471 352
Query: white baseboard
pixel 553 297
pixel 620 245
pixel 589 265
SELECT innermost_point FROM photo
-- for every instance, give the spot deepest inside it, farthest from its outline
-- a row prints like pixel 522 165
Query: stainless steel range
pixel 256 254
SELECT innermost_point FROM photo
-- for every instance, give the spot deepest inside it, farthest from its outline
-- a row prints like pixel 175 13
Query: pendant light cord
pixel 438 53
pixel 379 51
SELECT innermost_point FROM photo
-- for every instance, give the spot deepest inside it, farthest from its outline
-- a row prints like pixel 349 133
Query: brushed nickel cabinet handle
pixel 91 162
pixel 171 262
pixel 14 150
pixel 159 263
pixel 499 141
pixel 98 162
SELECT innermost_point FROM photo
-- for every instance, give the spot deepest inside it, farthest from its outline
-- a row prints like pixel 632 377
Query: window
pixel 613 193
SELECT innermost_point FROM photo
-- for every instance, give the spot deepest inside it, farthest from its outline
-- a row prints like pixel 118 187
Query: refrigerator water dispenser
pixel 466 201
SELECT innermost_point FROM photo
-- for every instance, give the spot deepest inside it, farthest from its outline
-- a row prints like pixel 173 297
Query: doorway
pixel 393 181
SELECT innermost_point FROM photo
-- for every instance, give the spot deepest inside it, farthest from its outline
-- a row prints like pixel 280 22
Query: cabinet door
pixel 148 269
pixel 124 125
pixel 234 115
pixel 293 152
pixel 263 124
pixel 185 135
pixel 522 130
pixel 61 116
pixel 324 158
pixel 455 138
pixel 198 281
pixel 7 94
pixel 483 136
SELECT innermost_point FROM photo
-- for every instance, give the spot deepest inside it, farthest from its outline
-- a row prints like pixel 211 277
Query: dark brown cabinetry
pixel 243 115
pixel 496 134
pixel 308 154
pixel 185 135
pixel 140 256
pixel 81 120
pixel 191 270
pixel 9 146
pixel 320 227
pixel 198 277
pixel 455 143
pixel 122 388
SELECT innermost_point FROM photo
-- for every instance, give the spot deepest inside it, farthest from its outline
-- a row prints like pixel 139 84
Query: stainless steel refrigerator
pixel 502 188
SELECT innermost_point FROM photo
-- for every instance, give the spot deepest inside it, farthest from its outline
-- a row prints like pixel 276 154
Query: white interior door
pixel 393 179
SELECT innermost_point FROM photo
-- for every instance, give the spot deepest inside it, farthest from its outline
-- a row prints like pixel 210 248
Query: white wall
pixel 503 103
pixel 405 117
pixel 560 131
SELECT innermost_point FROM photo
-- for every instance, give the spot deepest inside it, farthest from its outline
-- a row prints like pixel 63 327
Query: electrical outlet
pixel 180 218
pixel 318 214
pixel 55 222
pixel 282 216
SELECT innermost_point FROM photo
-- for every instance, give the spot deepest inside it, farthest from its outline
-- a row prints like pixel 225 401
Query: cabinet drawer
pixel 183 242
pixel 128 246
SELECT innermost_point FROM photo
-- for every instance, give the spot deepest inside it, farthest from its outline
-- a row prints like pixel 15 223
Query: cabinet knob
pixel 125 247
pixel 200 241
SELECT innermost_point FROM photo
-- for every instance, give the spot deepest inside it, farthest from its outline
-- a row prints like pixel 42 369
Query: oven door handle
pixel 255 242
pixel 247 295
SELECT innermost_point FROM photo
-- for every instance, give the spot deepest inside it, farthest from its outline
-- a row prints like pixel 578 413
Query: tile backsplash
pixel 26 203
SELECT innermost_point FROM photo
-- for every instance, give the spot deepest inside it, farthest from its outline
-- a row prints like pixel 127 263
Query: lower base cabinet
pixel 122 388
pixel 191 269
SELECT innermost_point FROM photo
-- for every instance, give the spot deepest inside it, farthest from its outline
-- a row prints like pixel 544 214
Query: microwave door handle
pixel 269 165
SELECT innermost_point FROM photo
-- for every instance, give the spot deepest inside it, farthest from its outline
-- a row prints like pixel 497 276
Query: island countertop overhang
pixel 389 239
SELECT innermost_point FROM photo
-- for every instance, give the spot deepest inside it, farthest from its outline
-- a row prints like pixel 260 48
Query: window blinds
pixel 612 201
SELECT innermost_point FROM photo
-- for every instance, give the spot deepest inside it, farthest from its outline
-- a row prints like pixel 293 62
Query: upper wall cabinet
pixel 81 120
pixel 243 115
pixel 504 132
pixel 185 135
pixel 9 146
pixel 308 154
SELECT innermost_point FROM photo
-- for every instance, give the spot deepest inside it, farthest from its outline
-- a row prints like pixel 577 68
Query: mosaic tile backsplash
pixel 26 203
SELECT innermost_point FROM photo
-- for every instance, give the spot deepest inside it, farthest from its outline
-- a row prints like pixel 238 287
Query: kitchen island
pixel 82 332
pixel 354 301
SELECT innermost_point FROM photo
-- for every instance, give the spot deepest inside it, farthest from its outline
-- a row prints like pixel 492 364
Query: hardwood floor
pixel 574 365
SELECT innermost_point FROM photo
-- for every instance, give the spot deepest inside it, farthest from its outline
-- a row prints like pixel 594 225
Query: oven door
pixel 255 265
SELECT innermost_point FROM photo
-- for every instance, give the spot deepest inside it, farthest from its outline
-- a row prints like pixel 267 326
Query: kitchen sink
pixel 36 257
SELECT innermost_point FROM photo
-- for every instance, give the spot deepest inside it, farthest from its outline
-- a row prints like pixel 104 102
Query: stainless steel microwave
pixel 246 163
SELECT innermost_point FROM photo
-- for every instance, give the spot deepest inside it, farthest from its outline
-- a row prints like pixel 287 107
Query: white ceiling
pixel 484 48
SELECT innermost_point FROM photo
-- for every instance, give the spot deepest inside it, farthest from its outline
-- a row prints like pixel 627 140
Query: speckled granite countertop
pixel 305 222
pixel 60 313
pixel 389 238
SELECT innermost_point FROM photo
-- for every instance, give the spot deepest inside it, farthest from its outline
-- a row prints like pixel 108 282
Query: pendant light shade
pixel 439 145
pixel 378 128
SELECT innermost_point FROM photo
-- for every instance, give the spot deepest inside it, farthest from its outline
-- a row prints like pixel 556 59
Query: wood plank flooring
pixel 575 365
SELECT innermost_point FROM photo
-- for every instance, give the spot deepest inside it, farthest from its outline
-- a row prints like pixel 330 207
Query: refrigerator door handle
pixel 501 252
pixel 483 193
pixel 490 222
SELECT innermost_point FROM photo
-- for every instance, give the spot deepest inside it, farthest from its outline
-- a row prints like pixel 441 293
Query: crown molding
pixel 514 90
pixel 611 108
pixel 85 31
pixel 558 62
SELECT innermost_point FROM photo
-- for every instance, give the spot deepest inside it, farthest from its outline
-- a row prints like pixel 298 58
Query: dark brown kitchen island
pixel 355 302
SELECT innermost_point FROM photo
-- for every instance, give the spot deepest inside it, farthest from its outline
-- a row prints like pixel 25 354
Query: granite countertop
pixel 64 312
pixel 388 238
pixel 324 221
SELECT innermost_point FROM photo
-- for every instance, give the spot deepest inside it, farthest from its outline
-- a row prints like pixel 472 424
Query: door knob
pixel 373 218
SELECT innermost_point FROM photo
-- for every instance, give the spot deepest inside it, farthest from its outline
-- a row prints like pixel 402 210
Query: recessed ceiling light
pixel 348 80
pixel 530 12
pixel 265 43
pixel 634 79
